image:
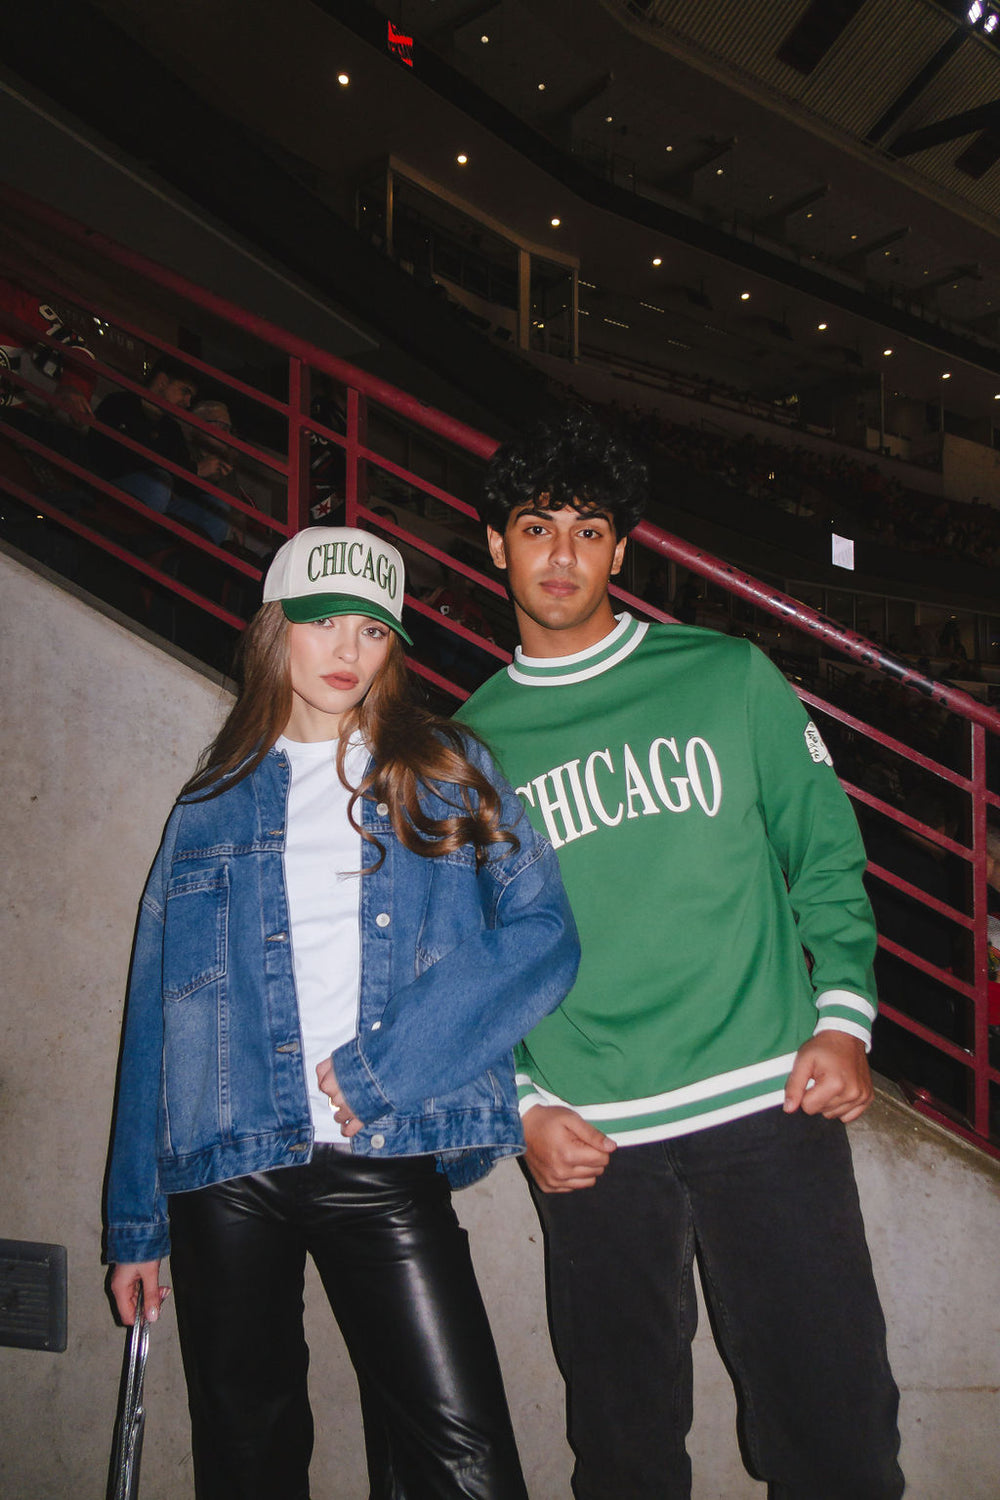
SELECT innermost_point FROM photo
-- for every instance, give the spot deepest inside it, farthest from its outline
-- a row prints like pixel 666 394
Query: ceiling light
pixel 668 148
pixel 853 236
pixel 555 223
pixel 719 171
pixel 609 119
pixel 822 327
pixel 887 352
pixel 484 39
pixel 541 88
pixel 946 375
pixel 808 216
pixel 657 260
pixel 343 79
pixel 997 396
pixel 744 296
pixel 461 158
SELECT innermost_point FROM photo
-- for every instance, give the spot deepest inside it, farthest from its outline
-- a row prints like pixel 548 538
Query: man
pixel 147 423
pixel 689 1095
pixel 211 459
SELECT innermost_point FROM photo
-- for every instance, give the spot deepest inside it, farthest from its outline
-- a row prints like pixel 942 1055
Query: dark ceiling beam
pixel 444 33
pixel 680 181
pixel 815 32
pixel 567 113
pixel 983 117
pixel 980 155
pixel 947 278
pixel 854 259
pixel 911 93
pixel 774 221
pixel 987 322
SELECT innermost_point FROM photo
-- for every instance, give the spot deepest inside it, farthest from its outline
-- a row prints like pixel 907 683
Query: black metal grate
pixel 32 1295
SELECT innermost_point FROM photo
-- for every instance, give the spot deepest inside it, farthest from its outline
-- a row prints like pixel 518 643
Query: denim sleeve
pixel 136 1226
pixel 465 1012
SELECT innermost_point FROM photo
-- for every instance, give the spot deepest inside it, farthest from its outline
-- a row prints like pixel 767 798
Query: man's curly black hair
pixel 574 462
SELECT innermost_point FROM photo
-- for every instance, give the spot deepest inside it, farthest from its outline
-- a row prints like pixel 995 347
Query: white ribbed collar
pixel 555 671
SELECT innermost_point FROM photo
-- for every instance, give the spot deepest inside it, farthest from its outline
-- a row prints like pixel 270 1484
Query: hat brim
pixel 309 607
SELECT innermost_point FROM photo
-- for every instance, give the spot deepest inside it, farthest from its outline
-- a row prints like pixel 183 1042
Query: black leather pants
pixel 395 1266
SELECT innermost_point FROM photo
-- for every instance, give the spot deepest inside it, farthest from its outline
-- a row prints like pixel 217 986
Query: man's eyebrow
pixel 546 513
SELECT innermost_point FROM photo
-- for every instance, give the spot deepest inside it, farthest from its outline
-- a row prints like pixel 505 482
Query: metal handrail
pixel 365 393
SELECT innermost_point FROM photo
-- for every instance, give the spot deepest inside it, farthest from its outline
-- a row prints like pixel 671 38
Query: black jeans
pixel 396 1269
pixel 770 1207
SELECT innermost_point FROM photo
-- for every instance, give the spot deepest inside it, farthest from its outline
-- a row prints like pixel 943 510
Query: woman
pixel 348 925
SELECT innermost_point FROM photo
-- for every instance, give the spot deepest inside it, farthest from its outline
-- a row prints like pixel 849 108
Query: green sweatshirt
pixel 713 864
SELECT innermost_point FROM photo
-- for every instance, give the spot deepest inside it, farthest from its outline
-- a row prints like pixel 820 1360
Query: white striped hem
pixel 673 1128
pixel 692 1093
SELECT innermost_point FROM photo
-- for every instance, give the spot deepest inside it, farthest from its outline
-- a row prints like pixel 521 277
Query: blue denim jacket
pixel 457 964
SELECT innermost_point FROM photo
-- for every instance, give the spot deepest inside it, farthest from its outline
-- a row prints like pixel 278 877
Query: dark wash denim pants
pixel 396 1268
pixel 770 1207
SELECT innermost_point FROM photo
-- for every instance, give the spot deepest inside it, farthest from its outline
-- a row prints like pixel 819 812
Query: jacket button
pixel 383 919
pixel 383 809
pixel 378 1141
pixel 376 1026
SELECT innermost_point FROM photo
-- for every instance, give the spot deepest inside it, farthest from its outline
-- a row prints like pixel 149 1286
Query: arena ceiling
pixel 834 159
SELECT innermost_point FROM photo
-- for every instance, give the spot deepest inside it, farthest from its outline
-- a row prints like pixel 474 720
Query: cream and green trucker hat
pixel 337 570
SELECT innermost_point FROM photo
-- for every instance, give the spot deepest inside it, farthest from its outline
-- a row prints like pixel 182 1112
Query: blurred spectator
pixel 70 388
pixel 149 425
pixel 211 460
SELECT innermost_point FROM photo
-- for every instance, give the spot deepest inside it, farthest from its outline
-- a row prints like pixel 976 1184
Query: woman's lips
pixel 342 681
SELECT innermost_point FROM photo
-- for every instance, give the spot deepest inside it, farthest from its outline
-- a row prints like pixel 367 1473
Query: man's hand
pixel 212 467
pixel 342 1111
pixel 837 1067
pixel 563 1152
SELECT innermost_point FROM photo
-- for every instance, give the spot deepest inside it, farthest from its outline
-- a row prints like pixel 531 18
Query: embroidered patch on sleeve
pixel 815 745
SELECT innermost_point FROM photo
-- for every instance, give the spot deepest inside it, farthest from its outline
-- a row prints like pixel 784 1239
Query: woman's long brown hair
pixel 412 748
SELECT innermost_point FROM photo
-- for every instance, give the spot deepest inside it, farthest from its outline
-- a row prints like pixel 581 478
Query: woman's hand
pixel 342 1112
pixel 124 1283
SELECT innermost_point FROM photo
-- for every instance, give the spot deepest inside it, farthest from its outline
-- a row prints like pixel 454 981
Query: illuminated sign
pixel 401 45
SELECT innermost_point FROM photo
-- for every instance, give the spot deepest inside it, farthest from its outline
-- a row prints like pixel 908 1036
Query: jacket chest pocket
pixel 196 931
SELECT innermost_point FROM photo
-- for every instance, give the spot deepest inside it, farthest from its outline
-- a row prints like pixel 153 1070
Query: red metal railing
pixel 379 421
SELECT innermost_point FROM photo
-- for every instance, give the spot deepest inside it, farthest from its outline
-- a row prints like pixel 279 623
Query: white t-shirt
pixel 322 877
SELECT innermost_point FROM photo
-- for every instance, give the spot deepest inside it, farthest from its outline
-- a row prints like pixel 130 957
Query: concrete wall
pixel 99 729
